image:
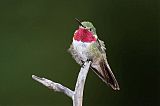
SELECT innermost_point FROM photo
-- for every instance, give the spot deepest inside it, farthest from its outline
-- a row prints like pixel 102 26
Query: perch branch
pixel 77 94
pixel 54 86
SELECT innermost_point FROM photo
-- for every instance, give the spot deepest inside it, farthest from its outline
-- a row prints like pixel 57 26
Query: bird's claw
pixel 89 60
pixel 83 62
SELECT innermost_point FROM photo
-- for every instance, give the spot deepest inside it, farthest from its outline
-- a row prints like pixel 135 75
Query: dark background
pixel 35 36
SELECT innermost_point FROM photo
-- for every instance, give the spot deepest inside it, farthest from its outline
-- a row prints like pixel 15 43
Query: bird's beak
pixel 79 22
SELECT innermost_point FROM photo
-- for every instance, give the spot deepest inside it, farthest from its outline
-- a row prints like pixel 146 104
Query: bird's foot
pixel 83 62
pixel 89 60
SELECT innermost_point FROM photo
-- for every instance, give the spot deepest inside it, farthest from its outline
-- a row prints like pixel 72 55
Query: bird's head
pixel 86 32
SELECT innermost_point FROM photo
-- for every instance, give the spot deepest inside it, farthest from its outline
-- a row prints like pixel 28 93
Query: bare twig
pixel 54 86
pixel 77 94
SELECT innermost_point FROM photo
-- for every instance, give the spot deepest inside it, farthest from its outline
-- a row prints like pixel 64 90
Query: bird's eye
pixel 90 29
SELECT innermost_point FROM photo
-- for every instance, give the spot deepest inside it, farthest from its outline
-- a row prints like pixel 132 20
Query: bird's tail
pixel 103 70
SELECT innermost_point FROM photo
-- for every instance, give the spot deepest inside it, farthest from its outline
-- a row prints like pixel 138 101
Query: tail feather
pixel 103 70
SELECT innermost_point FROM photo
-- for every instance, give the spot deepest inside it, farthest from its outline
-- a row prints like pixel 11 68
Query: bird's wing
pixel 101 45
pixel 102 68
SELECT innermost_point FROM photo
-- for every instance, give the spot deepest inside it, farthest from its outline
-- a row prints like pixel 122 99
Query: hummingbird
pixel 86 46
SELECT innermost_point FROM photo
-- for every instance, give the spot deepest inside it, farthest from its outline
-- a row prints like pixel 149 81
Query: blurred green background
pixel 35 36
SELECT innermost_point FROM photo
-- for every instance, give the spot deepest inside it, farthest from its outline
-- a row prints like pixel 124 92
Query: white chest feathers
pixel 82 49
